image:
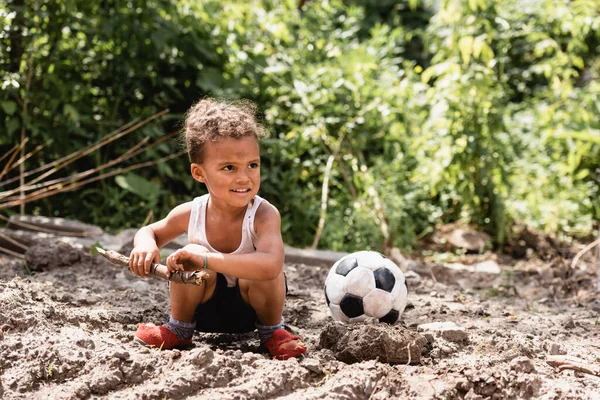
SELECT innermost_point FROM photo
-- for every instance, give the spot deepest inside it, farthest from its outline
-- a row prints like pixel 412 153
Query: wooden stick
pixel 12 158
pixel 8 153
pixel 188 277
pixel 582 252
pixel 37 228
pixel 573 363
pixel 324 195
pixel 12 253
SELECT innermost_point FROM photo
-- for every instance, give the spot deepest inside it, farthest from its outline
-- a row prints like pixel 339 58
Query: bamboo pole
pixel 187 277
pixel 78 184
pixel 71 155
pixel 97 146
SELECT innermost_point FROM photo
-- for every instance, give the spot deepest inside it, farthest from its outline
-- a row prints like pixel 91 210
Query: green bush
pixel 480 111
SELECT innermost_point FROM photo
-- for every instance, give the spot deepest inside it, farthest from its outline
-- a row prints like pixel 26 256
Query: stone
pixel 446 330
pixel 555 349
pixel 311 256
pixel 522 364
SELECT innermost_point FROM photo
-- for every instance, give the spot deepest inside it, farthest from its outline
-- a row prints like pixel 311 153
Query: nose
pixel 242 177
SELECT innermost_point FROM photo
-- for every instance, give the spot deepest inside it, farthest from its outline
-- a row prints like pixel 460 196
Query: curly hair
pixel 213 120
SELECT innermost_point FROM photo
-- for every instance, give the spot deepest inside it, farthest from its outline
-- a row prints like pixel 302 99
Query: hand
pixel 141 259
pixel 191 256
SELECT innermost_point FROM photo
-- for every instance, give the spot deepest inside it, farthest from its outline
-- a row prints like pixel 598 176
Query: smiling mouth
pixel 240 190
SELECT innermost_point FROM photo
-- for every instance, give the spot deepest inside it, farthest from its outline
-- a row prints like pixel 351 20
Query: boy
pixel 233 234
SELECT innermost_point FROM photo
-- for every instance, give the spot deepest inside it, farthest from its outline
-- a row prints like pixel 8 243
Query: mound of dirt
pixel 360 342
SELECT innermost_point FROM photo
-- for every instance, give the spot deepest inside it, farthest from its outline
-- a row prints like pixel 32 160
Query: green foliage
pixel 481 111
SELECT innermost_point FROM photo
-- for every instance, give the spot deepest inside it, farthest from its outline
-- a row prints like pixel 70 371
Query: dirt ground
pixel 69 320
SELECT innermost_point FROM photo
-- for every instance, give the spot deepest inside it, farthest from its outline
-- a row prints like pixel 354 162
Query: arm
pixel 266 263
pixel 150 238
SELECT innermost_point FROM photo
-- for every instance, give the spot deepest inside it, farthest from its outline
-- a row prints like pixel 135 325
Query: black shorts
pixel 226 311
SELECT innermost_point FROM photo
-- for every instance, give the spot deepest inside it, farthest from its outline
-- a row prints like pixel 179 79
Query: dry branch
pixel 69 156
pixel 324 195
pixel 582 252
pixel 573 363
pixel 37 228
pixel 12 157
pixel 77 185
pixel 188 277
pixel 12 253
pixel 78 155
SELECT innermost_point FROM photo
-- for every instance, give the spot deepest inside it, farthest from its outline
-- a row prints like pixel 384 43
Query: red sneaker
pixel 159 337
pixel 281 336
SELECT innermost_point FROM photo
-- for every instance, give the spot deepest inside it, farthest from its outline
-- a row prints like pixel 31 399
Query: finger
pixel 170 262
pixel 133 262
pixel 139 265
pixel 148 263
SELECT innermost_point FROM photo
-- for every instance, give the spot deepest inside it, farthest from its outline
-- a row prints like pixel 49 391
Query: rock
pixel 484 267
pixel 359 342
pixel 522 365
pixel 465 238
pixel 412 276
pixel 312 365
pixel 555 349
pixel 58 226
pixel 201 356
pixel 396 256
pixel 311 256
pixel 446 330
pixel 567 322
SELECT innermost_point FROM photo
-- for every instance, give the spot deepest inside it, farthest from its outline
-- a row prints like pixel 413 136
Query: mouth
pixel 240 190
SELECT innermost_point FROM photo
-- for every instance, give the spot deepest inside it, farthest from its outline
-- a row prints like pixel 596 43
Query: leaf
pixel 12 125
pixel 138 185
pixel 71 112
pixel 465 44
pixel 9 107
pixel 592 135
pixel 581 174
pixel 210 79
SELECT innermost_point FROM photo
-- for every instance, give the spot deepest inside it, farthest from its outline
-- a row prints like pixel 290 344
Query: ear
pixel 197 172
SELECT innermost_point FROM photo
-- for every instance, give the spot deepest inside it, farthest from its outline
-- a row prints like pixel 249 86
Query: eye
pixel 228 168
pixel 253 165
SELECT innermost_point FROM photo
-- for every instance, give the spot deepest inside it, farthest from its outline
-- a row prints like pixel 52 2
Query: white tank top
pixel 197 229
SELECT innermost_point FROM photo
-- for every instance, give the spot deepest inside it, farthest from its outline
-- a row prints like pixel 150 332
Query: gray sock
pixel 265 332
pixel 183 330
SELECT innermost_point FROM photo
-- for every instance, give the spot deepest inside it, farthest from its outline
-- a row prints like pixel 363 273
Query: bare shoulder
pixel 182 209
pixel 176 220
pixel 267 214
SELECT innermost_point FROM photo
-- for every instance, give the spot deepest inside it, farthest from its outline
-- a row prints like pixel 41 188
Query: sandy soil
pixel 69 321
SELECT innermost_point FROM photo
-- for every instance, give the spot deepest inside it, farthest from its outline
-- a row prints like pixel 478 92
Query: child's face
pixel 230 170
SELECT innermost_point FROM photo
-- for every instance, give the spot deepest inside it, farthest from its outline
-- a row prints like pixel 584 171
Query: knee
pixel 269 287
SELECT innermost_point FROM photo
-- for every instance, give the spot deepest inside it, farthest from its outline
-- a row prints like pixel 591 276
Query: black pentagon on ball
pixel 384 279
pixel 346 266
pixel 352 306
pixel 390 318
pixel 406 284
pixel 326 298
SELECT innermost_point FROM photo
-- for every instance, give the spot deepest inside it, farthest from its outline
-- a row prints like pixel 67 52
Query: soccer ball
pixel 364 285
